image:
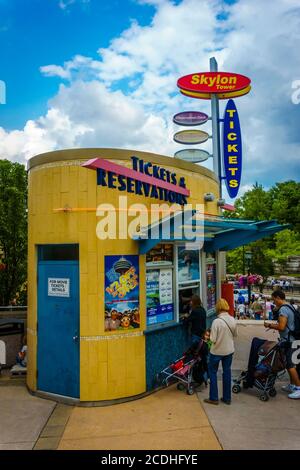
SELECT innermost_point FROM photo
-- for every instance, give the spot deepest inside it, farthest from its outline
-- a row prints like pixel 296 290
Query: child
pixel 22 355
pixel 208 343
pixel 241 309
pixel 206 338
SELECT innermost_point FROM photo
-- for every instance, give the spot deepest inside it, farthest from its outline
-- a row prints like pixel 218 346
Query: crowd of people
pixel 260 307
pixel 278 315
pixel 284 284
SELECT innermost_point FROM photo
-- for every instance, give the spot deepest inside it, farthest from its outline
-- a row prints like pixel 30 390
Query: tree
pixel 287 243
pixel 281 202
pixel 13 229
pixel 285 199
pixel 255 204
pixel 235 262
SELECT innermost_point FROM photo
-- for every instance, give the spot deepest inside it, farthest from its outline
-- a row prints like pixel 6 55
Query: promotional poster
pixel 121 292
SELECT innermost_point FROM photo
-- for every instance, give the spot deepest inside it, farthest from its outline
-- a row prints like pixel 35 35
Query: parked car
pixel 237 292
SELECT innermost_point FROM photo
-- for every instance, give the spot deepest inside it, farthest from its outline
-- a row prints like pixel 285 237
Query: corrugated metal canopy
pixel 215 232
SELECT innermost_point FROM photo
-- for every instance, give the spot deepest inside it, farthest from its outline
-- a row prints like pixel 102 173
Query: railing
pixel 11 311
pixel 14 308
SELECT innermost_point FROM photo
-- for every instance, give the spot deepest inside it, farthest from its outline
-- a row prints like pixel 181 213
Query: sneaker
pixel 296 394
pixel 211 402
pixel 227 402
pixel 289 388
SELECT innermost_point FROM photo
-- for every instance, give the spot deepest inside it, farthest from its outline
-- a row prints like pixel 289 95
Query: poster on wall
pixel 211 285
pixel 161 254
pixel 188 265
pixel 159 286
pixel 122 292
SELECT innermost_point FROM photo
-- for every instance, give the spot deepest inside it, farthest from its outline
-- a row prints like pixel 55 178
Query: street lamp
pixel 248 257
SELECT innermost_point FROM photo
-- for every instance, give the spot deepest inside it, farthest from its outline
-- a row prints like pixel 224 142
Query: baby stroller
pixel 266 362
pixel 188 371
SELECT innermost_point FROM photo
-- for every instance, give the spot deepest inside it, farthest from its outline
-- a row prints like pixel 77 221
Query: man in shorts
pixel 284 326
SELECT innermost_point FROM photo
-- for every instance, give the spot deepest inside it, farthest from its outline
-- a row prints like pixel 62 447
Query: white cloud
pixel 79 66
pixel 65 4
pixel 143 64
pixel 55 71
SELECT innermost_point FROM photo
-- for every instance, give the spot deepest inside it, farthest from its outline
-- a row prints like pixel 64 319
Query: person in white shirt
pixel 268 308
pixel 223 330
pixel 241 308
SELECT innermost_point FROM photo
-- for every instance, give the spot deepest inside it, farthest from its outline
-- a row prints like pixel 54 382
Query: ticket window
pixel 188 277
pixel 185 294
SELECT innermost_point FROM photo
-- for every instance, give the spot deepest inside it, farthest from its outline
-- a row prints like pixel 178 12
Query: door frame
pixel 74 262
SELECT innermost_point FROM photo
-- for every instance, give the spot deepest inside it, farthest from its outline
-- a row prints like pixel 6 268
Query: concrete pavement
pixel 250 423
pixel 166 420
pixel 22 417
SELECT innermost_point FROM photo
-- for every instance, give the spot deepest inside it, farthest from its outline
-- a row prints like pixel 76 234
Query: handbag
pixel 227 325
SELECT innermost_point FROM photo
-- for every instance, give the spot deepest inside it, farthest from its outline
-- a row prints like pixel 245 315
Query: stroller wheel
pixel 264 397
pixel 272 392
pixel 190 391
pixel 180 386
pixel 236 388
pixel 158 380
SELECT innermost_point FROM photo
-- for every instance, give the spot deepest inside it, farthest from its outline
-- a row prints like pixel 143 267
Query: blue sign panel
pixel 159 299
pixel 232 152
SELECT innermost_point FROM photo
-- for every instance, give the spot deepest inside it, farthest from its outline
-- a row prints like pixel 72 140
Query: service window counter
pixel 188 277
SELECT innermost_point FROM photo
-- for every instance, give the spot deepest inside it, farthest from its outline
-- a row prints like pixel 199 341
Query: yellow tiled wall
pixel 112 364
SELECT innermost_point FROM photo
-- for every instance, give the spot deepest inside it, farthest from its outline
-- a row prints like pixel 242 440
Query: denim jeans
pixel 213 366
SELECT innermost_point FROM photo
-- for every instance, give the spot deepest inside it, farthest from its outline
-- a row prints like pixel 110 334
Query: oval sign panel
pixel 232 142
pixel 191 137
pixel 221 96
pixel 190 118
pixel 192 155
pixel 213 82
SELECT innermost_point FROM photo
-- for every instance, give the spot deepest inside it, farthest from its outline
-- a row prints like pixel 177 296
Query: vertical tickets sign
pixel 232 149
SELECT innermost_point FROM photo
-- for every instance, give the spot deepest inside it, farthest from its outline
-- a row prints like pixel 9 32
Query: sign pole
pixel 216 128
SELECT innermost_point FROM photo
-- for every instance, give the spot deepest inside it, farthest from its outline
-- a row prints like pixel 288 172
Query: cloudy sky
pixel 91 73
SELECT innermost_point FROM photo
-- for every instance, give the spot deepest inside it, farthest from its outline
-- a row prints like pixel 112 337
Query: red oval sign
pixel 213 82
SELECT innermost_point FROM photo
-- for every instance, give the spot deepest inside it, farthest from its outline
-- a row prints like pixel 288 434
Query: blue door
pixel 58 328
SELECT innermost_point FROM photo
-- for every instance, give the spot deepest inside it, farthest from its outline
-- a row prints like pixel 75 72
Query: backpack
pixel 296 332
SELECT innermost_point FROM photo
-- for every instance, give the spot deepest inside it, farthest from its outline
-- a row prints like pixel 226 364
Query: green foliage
pixel 281 202
pixel 261 262
pixel 286 203
pixel 13 229
pixel 287 243
pixel 234 261
pixel 254 204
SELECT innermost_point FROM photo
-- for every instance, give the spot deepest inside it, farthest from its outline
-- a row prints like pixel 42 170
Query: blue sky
pixel 95 73
pixel 38 32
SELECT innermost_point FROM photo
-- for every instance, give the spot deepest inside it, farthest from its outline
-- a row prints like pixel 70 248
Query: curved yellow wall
pixel 112 364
